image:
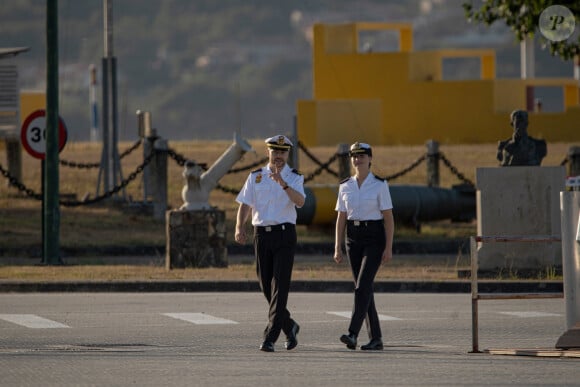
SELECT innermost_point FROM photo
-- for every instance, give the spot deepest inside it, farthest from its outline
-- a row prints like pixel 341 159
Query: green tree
pixel 523 17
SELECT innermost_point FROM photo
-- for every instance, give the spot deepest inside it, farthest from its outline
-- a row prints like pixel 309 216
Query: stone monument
pixel 521 149
pixel 196 233
pixel 523 200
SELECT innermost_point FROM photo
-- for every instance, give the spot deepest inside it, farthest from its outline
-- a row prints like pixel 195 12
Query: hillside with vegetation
pixel 205 68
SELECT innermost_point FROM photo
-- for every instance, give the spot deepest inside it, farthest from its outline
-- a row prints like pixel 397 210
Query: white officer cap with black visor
pixel 279 142
pixel 359 148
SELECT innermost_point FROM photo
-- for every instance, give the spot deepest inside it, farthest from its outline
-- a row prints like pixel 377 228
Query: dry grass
pixel 412 267
pixel 91 227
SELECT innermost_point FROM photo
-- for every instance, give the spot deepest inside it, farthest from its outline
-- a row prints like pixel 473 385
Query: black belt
pixel 275 227
pixel 364 223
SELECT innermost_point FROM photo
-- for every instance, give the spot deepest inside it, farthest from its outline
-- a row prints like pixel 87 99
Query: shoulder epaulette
pixel 379 178
pixel 257 170
pixel 345 180
pixel 296 172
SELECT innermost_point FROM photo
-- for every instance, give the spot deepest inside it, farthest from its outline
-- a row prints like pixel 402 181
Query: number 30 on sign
pixel 33 134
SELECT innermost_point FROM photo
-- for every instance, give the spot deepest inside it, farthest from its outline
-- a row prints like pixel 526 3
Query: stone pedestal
pixel 195 238
pixel 519 201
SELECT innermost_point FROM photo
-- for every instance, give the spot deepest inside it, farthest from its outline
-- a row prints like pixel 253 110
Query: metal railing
pixel 476 296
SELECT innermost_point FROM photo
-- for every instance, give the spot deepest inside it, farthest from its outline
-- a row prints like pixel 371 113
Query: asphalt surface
pixel 212 339
pixel 207 333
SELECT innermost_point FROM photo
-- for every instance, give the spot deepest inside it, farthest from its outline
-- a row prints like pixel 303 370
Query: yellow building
pixel 400 97
pixel 31 101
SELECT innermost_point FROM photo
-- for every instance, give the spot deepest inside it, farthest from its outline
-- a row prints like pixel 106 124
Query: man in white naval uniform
pixel 270 195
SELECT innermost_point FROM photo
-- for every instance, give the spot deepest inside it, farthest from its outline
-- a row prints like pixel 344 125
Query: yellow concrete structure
pixel 401 97
pixel 31 101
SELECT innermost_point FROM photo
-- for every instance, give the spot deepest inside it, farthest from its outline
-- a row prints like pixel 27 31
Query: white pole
pixel 94 134
pixel 527 68
pixel 570 205
pixel 578 234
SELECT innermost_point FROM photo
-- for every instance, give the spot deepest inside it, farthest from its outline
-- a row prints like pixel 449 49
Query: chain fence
pixel 322 166
pixel 403 172
pixel 73 164
pixel 181 160
pixel 454 170
pixel 74 203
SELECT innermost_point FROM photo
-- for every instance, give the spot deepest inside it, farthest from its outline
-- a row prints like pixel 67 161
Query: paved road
pixel 212 339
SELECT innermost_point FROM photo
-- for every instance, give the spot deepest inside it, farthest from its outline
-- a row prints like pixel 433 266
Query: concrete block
pixel 519 201
pixel 195 238
pixel 569 339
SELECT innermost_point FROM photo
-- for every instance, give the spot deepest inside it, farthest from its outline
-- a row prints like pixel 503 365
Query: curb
pixel 15 286
pixel 443 246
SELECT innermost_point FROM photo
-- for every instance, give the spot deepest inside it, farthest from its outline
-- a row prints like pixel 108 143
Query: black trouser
pixel 274 248
pixel 365 244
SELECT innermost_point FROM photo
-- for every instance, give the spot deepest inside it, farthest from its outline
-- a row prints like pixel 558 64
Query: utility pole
pixel 51 211
pixel 110 171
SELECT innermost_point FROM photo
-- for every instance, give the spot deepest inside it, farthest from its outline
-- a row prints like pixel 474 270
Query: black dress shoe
pixel 291 341
pixel 267 346
pixel 373 345
pixel 349 340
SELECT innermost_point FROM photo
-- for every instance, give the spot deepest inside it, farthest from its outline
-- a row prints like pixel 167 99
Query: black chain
pixel 406 170
pixel 73 164
pixel 131 149
pixel 313 158
pixel 455 171
pixel 323 167
pixel 73 203
pixel 132 176
pixel 248 167
pixel 228 189
pixel 21 187
pixel 179 159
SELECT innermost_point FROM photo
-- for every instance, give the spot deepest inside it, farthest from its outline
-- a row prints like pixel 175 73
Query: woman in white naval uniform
pixel 365 212
pixel 270 195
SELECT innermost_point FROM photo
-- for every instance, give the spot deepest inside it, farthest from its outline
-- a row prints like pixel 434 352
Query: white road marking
pixel 31 321
pixel 530 314
pixel 382 317
pixel 199 318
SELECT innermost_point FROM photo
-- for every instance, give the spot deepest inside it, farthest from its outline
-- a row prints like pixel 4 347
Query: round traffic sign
pixel 33 134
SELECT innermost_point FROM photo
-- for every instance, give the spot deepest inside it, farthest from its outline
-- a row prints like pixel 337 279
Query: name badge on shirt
pixel 258 178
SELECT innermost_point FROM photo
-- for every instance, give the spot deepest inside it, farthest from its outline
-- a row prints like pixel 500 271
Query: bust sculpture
pixel 521 149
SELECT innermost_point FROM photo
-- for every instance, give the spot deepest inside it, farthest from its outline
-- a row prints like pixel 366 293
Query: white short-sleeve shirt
pixel 366 202
pixel 270 203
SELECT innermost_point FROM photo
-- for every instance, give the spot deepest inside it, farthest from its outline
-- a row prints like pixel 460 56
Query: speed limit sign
pixel 33 134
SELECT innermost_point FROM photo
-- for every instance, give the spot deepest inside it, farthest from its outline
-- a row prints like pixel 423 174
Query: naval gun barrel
pixel 412 204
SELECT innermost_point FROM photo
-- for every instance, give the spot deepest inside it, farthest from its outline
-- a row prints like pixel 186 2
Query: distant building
pixel 401 97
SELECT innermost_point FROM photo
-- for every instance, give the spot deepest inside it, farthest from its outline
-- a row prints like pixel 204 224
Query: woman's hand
pixel 338 255
pixel 387 256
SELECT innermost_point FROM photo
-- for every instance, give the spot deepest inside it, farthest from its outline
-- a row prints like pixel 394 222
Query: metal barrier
pixel 476 296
